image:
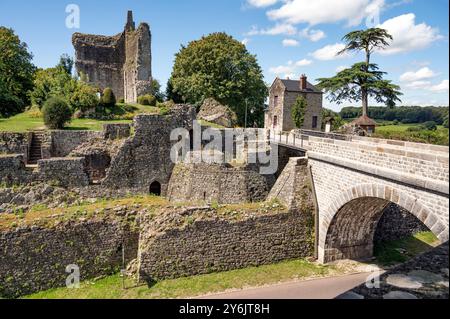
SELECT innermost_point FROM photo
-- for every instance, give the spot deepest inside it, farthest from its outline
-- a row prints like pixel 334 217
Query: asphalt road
pixel 325 288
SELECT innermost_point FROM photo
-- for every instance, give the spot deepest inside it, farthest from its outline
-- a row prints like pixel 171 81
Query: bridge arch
pixel 345 233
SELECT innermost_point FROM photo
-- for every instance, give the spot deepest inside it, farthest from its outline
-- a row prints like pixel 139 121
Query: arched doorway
pixel 155 188
pixel 348 232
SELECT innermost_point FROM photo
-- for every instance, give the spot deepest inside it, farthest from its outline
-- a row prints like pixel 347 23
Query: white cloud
pixel 408 36
pixel 313 35
pixel 421 74
pixel 290 69
pixel 245 41
pixel 441 87
pixel 261 3
pixel 325 11
pixel 330 52
pixel 304 62
pixel 278 29
pixel 418 85
pixel 290 43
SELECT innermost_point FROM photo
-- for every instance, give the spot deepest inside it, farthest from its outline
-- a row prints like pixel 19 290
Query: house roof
pixel 364 121
pixel 294 86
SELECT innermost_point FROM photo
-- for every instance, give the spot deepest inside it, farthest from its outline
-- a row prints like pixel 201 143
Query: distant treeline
pixel 403 114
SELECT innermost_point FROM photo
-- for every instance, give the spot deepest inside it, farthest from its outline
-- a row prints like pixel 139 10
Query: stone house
pixel 283 94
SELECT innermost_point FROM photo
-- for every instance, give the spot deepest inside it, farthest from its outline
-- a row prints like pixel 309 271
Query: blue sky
pixel 289 37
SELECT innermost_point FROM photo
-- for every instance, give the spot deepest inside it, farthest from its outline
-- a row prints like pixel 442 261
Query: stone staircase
pixel 35 151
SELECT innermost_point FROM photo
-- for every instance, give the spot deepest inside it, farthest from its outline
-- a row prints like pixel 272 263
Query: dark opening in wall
pixel 155 188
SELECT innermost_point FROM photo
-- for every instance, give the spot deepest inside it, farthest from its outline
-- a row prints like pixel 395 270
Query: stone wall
pixel 64 142
pixel 13 170
pixel 35 258
pixel 66 172
pixel 218 183
pixel 116 131
pixel 145 157
pixel 194 241
pixel 15 143
pixel 403 160
pixel 397 223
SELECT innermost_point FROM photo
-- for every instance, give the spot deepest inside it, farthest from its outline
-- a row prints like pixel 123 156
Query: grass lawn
pixel 31 120
pixel 111 287
pixel 400 251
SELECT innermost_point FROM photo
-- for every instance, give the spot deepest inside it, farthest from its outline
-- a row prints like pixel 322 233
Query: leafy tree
pixel 171 94
pixel 298 111
pixel 52 82
pixel 66 62
pixel 83 98
pixel 363 79
pixel 56 113
pixel 445 123
pixel 16 73
pixel 220 67
pixel 156 91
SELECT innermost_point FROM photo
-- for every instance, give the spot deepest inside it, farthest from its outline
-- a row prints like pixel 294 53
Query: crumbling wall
pixel 64 142
pixel 13 170
pixel 145 157
pixel 219 183
pixel 15 143
pixel 66 172
pixel 193 241
pixel 35 258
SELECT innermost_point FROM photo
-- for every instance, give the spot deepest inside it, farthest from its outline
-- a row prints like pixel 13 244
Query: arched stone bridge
pixel 355 178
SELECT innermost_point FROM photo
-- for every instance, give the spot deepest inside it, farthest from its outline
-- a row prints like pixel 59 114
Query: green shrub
pixel 122 100
pixel 430 126
pixel 56 113
pixel 108 98
pixel 414 129
pixel 396 122
pixel 84 98
pixel 147 100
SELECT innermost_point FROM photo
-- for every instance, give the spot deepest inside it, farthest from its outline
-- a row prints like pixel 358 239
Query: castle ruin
pixel 121 62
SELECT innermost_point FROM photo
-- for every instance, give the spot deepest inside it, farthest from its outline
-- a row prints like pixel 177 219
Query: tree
pixel 171 94
pixel 298 111
pixel 363 79
pixel 16 73
pixel 337 121
pixel 52 82
pixel 66 62
pixel 156 91
pixel 220 67
pixel 56 113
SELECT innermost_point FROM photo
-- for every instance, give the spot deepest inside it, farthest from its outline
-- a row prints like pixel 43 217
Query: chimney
pixel 130 26
pixel 303 81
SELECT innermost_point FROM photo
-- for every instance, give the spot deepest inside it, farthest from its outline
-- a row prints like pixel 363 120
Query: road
pixel 325 288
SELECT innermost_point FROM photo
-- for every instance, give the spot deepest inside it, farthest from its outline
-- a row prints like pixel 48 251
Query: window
pixel 275 100
pixel 314 121
pixel 275 121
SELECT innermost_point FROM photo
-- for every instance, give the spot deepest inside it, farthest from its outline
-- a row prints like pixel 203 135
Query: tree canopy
pixel 363 79
pixel 16 73
pixel 220 67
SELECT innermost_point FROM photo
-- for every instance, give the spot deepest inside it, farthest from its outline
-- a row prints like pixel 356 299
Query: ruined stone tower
pixel 121 62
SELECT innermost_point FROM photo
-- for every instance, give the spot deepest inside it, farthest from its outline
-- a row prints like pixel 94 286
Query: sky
pixel 288 37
